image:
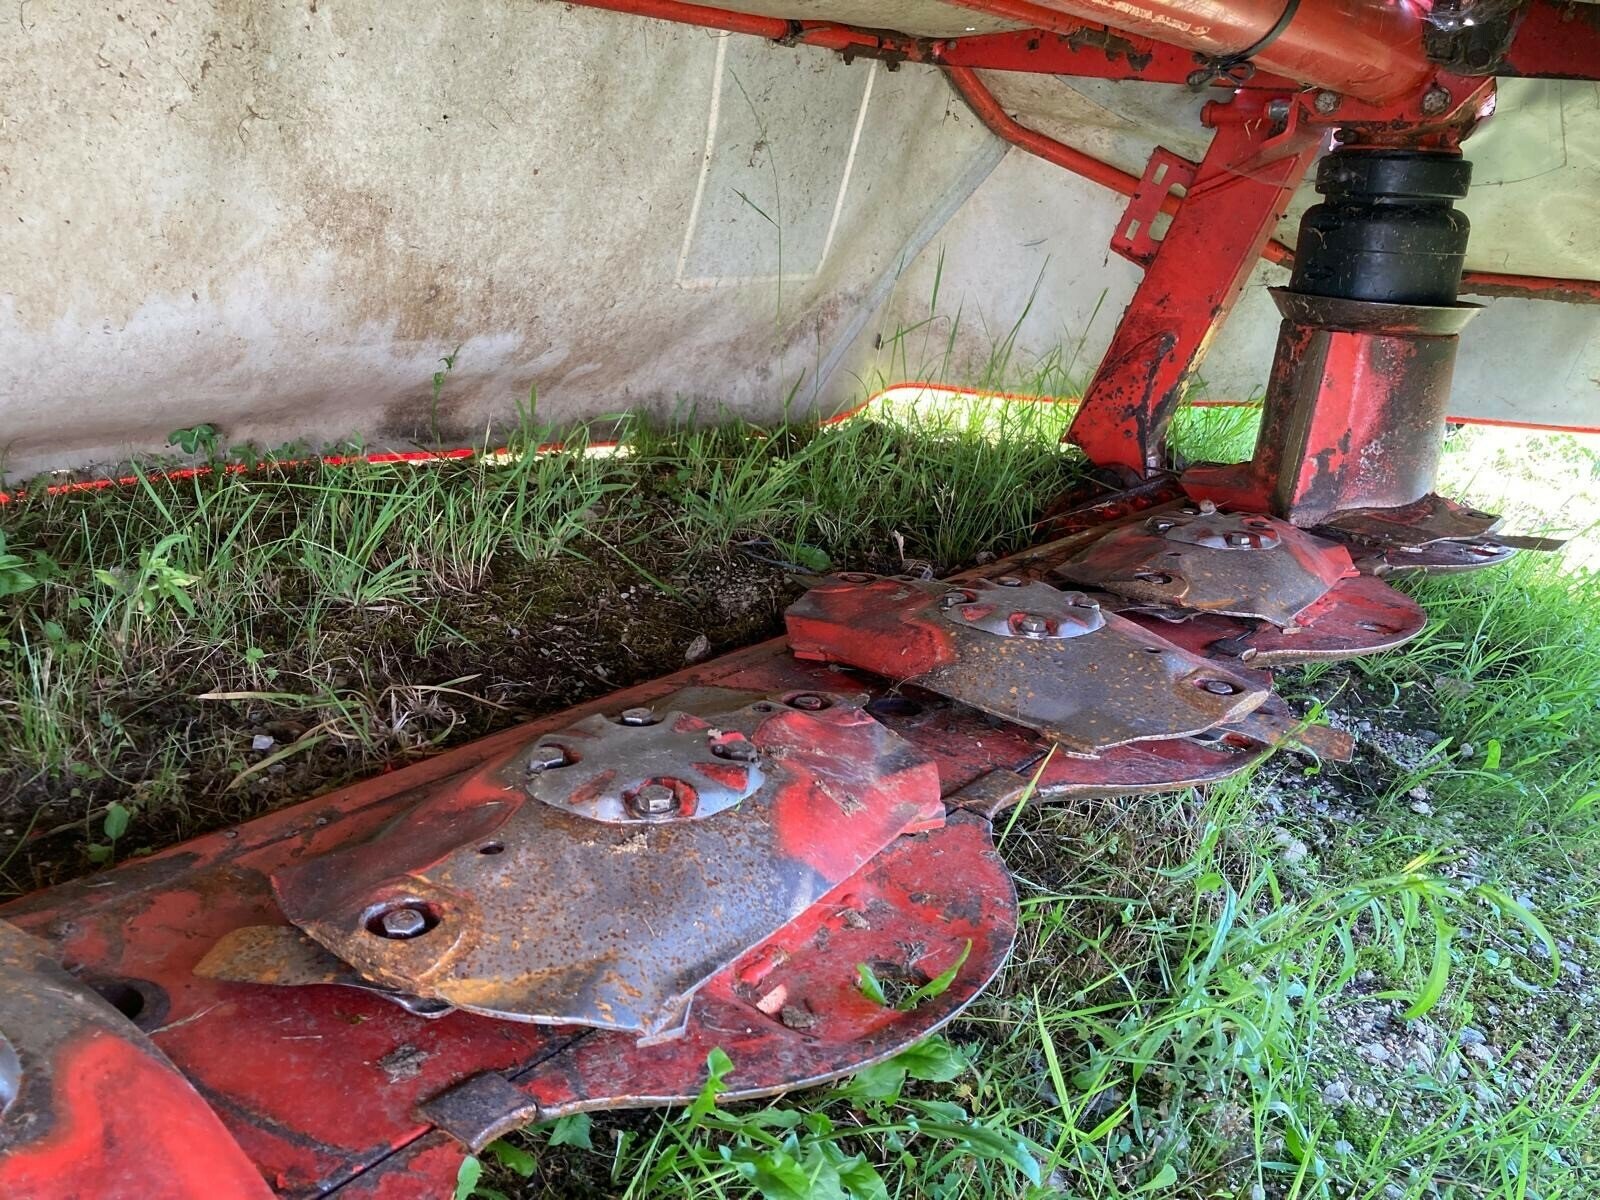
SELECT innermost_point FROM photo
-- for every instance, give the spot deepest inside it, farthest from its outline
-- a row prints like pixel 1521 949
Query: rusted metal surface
pixel 1432 518
pixel 283 956
pixel 1189 287
pixel 790 1012
pixel 1368 49
pixel 1435 558
pixel 89 1108
pixel 1358 616
pixel 1197 559
pixel 1276 724
pixel 555 909
pixel 607 769
pixel 1434 535
pixel 1088 693
pixel 1354 415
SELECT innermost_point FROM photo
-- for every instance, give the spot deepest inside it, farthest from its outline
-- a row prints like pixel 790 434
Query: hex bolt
pixel 1208 508
pixel 1241 539
pixel 952 599
pixel 1218 687
pixel 735 751
pixel 1328 102
pixel 809 702
pixel 546 758
pixel 655 800
pixel 1435 102
pixel 1031 626
pixel 402 923
pixel 638 716
pixel 1278 110
pixel 1008 581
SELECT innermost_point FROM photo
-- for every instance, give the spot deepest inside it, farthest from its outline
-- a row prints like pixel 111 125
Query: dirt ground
pixel 538 638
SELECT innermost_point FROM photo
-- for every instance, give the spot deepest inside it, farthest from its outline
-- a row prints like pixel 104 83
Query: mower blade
pixel 1053 661
pixel 1196 559
pixel 602 875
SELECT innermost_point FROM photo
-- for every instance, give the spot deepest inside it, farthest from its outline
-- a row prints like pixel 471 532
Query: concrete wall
pixel 278 217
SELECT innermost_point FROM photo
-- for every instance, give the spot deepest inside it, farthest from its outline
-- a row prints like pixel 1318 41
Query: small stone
pixel 1376 1052
pixel 1422 808
pixel 1336 1092
pixel 1343 1148
pixel 1472 1037
pixel 698 649
pixel 263 741
pixel 1467 750
pixel 1481 1052
pixel 1293 849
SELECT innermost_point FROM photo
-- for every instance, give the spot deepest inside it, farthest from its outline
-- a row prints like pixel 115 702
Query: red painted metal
pixel 1190 286
pixel 1087 680
pixel 1358 616
pixel 491 855
pixel 1164 173
pixel 1065 45
pixel 89 1108
pixel 1554 39
pixel 988 110
pixel 1364 48
pixel 1194 560
pixel 1354 414
pixel 1531 287
pixel 1083 49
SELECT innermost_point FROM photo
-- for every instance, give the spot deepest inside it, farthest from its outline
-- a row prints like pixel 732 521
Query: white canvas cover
pixel 280 218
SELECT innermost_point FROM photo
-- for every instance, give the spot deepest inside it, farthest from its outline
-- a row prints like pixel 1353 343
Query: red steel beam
pixel 1190 284
pixel 1369 49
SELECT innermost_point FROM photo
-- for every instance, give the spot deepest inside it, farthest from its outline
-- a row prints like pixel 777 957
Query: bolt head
pixel 809 702
pixel 1218 687
pixel 1435 101
pixel 1327 102
pixel 952 599
pixel 1008 581
pixel 546 758
pixel 638 716
pixel 742 752
pixel 655 800
pixel 403 923
pixel 1032 626
pixel 1278 110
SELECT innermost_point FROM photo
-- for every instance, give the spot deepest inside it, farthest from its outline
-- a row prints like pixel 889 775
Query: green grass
pixel 1199 979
